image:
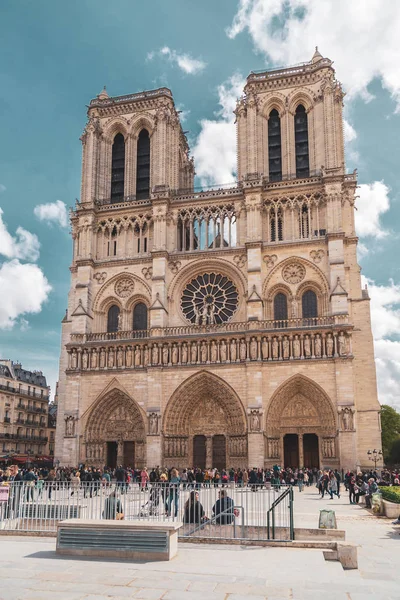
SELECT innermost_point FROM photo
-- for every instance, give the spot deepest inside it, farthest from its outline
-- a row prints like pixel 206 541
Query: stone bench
pixel 137 540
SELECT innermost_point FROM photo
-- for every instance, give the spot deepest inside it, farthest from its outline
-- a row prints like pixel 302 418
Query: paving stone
pixel 202 586
pixel 186 595
pixel 149 594
pixel 168 584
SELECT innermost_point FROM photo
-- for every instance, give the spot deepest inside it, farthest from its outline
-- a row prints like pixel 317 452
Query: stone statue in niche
pixel 222 351
pixel 165 354
pixel 129 357
pixel 120 357
pixel 307 347
pixel 137 356
pixel 317 346
pixel 174 354
pixel 111 358
pixel 212 314
pixel 253 349
pixel 296 347
pixel 255 423
pixel 342 344
pixel 74 359
pixel 275 348
pixel 197 315
pixel 329 345
pixel 264 349
pixel 204 352
pixel 193 352
pixel 146 356
pixel 120 322
pixel 213 351
pixel 102 358
pixel 293 312
pixel 84 360
pixel 243 350
pixel 184 354
pixel 233 350
pixel 94 359
pixel 285 348
pixel 153 423
pixel 204 314
pixel 154 355
pixel 69 425
pixel 347 419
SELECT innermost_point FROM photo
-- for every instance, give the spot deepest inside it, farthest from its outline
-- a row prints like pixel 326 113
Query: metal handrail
pixel 271 514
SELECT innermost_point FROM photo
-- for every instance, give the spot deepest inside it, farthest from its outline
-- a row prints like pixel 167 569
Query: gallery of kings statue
pixel 223 327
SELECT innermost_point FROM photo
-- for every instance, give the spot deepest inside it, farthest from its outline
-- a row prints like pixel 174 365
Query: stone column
pixel 120 452
pixel 209 452
pixel 301 451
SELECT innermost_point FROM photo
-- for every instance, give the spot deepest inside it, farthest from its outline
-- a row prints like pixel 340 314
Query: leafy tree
pixel 394 458
pixel 390 421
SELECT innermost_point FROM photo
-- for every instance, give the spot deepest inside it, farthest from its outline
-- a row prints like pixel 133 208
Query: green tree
pixel 394 458
pixel 390 421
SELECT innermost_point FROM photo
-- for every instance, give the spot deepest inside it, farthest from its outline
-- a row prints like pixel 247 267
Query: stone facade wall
pixel 196 373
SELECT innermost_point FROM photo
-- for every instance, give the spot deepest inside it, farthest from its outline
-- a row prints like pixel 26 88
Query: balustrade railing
pixel 230 327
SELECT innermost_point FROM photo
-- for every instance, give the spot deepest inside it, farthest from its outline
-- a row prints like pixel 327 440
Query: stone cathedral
pixel 225 327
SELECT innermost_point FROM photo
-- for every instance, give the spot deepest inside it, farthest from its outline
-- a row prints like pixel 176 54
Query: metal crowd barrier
pixel 257 512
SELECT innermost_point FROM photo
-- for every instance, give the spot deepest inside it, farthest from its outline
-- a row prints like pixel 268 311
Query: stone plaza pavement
pixel 30 569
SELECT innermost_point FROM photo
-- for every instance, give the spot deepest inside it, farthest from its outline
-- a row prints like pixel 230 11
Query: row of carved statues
pixel 277 347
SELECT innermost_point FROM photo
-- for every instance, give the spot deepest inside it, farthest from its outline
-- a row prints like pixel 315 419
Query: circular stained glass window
pixel 209 299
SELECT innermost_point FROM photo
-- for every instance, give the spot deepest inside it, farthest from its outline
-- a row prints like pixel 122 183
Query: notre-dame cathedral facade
pixel 225 327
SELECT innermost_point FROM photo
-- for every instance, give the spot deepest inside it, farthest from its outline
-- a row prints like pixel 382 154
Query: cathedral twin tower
pixel 225 327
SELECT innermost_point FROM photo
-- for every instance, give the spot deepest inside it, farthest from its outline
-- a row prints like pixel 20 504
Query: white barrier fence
pixel 226 512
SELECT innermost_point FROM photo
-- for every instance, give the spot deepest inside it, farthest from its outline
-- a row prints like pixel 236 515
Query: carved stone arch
pixel 185 399
pixel 322 295
pixel 109 285
pixel 136 299
pixel 275 101
pixel 143 121
pixel 197 267
pixel 279 288
pixel 113 126
pixel 300 404
pixel 114 417
pixel 313 274
pixel 302 96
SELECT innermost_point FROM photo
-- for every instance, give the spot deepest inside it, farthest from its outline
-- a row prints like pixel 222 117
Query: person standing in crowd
pixel 173 495
pixel 30 480
pixel 144 478
pixel 333 485
pixel 223 509
pixel 75 482
pixel 300 480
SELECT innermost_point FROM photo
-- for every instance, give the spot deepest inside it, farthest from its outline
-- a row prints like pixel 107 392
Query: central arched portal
pixel 115 432
pixel 301 426
pixel 205 425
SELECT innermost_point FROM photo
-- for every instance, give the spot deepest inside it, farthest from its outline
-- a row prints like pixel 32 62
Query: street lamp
pixel 375 456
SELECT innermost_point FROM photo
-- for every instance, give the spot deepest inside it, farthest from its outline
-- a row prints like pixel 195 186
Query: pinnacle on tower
pixel 103 94
pixel 316 56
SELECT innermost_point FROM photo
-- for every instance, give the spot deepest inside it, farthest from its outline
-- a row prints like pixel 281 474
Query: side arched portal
pixel 301 426
pixel 115 432
pixel 205 425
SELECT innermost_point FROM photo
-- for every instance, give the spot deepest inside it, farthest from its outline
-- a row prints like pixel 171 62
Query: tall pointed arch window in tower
pixel 276 224
pixel 113 319
pixel 301 142
pixel 118 169
pixel 274 146
pixel 280 309
pixel 143 166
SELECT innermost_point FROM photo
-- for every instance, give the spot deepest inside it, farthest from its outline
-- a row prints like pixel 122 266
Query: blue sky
pixel 55 57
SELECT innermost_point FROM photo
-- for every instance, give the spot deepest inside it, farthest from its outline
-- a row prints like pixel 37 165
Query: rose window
pixel 209 299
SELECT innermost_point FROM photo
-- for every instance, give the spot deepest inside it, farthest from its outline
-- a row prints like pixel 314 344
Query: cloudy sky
pixel 55 56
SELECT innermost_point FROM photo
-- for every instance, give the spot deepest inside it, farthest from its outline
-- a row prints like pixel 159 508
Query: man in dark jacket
pixel 223 509
pixel 253 480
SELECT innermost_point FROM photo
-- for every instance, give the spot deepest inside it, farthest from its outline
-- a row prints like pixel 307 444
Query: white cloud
pixel 2 188
pixel 350 133
pixel 187 64
pixel 52 212
pixel 24 245
pixel 372 203
pixel 24 289
pixel 215 148
pixel 385 317
pixel 349 33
